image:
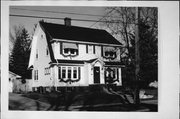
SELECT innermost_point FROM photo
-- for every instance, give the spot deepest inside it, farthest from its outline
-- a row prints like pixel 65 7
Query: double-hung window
pixel 90 49
pixel 63 72
pixel 35 74
pixel 47 71
pixel 69 72
pixel 74 72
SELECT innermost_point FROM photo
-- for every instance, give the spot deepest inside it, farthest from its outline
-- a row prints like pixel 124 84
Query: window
pixel 66 51
pixel 69 49
pixel 36 53
pixel 70 52
pixel 63 72
pixel 47 71
pixel 109 52
pixel 67 72
pixel 41 36
pixel 90 49
pixel 35 74
pixel 74 72
pixel 111 74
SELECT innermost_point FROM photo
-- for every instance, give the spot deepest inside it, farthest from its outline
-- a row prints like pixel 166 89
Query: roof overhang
pixel 84 42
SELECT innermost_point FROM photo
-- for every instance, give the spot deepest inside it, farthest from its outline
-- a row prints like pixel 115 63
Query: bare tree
pixel 124 30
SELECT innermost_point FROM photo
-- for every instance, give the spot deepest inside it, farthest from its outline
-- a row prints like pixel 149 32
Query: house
pixel 71 56
pixel 18 85
pixel 12 77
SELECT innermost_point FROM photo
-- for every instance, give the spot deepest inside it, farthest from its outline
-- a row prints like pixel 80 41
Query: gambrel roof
pixel 80 34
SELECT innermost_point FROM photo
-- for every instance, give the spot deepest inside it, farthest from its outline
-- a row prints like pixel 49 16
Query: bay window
pixel 67 72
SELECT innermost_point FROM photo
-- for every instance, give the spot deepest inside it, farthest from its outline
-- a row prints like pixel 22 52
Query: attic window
pixel 41 36
pixel 70 49
pixel 36 53
pixel 109 53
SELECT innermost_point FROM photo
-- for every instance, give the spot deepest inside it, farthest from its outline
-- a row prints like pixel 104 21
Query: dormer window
pixel 109 53
pixel 70 49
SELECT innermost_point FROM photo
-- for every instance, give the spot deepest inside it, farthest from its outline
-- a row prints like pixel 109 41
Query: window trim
pixel 61 68
pixel 88 46
pixel 47 71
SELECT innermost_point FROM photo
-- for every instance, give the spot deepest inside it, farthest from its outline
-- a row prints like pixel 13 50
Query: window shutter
pixel 34 74
pixel 59 72
pixel 94 49
pixel 101 50
pixel 61 49
pixel 117 73
pixel 77 49
pixel 37 74
pixel 86 48
pixel 79 72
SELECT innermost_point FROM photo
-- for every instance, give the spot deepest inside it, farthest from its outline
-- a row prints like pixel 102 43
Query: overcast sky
pixel 29 22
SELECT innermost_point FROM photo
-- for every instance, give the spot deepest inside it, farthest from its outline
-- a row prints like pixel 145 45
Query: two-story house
pixel 71 56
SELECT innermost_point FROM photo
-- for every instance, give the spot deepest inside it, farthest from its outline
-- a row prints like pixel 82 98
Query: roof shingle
pixel 80 34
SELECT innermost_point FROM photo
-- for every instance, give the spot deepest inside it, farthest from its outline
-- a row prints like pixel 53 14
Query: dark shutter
pixel 101 50
pixel 117 74
pixel 105 75
pixel 59 72
pixel 37 74
pixel 79 72
pixel 34 74
pixel 94 49
pixel 61 49
pixel 77 49
pixel 86 48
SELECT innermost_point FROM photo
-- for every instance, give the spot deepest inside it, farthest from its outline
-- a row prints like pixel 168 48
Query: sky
pixel 29 23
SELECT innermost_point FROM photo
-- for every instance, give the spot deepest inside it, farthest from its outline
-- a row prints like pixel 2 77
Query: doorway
pixel 97 75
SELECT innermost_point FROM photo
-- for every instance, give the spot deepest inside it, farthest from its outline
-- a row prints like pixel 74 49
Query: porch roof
pixel 89 61
pixel 114 64
pixel 70 61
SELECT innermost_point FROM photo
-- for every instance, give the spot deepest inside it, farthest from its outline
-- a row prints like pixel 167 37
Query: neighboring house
pixel 12 78
pixel 17 84
pixel 71 56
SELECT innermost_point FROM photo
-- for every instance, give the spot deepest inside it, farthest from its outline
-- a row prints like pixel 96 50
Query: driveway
pixel 18 102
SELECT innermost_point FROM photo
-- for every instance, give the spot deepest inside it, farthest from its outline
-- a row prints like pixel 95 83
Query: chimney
pixel 67 21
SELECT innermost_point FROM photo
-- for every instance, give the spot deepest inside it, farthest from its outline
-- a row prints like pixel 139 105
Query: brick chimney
pixel 67 21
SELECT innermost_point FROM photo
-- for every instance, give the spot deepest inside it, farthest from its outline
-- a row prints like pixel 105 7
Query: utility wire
pixel 102 18
pixel 60 18
pixel 73 13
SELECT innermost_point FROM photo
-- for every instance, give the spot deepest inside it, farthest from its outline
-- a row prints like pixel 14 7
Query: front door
pixel 96 74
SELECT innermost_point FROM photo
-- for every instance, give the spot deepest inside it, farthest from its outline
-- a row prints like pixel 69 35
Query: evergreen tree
pixel 19 56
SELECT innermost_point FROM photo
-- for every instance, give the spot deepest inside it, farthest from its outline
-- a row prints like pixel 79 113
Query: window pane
pixel 66 50
pixel 90 49
pixel 72 51
pixel 63 72
pixel 106 53
pixel 69 72
pixel 75 72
